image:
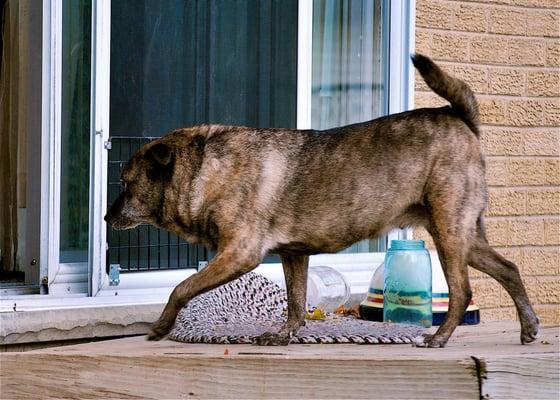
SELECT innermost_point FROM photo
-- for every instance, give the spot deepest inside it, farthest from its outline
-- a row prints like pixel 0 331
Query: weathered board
pixel 482 360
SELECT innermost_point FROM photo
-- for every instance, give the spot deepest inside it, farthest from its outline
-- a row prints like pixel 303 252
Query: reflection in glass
pixel 349 69
pixel 75 136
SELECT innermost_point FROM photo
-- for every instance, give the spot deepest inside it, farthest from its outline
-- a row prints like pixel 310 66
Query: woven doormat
pixel 245 308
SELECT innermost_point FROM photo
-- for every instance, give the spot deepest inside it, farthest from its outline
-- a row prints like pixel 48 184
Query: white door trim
pixel 304 64
pixel 100 88
pixel 50 140
pixel 401 73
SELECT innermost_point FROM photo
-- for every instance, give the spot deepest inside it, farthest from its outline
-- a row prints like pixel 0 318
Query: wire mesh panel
pixel 212 61
pixel 144 247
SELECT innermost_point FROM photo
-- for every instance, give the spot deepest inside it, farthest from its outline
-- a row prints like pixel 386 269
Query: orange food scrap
pixel 353 311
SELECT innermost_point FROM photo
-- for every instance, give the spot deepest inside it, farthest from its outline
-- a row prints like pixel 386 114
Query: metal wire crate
pixel 144 247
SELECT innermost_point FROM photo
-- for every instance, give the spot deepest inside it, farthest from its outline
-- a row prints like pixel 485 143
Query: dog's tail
pixel 454 90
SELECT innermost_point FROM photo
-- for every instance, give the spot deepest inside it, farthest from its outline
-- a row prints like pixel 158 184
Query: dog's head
pixel 147 177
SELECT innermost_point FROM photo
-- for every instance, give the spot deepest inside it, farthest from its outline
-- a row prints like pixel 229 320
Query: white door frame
pixel 76 278
pixel 100 88
pixel 401 73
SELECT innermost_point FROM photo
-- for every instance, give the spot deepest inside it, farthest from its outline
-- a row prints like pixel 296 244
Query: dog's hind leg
pixel 451 223
pixel 295 272
pixel 224 267
pixel 484 258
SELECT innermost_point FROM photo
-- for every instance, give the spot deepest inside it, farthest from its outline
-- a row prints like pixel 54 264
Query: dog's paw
pixel 426 340
pixel 154 336
pixel 159 331
pixel 530 331
pixel 273 339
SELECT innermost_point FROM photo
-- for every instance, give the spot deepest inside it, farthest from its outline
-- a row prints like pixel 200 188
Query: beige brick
pixel 542 143
pixel 450 46
pixel 497 231
pixel 548 314
pixel 508 21
pixel 543 23
pixel 423 42
pixel 552 231
pixel 434 14
pixel 492 110
pixel 543 289
pixel 541 261
pixel 543 201
pixel 532 171
pixel 498 141
pixel 538 3
pixel 488 1
pixel 524 232
pixel 428 99
pixel 543 83
pixel 475 76
pixel 506 202
pixel 527 52
pixel 525 112
pixel 553 54
pixel 551 109
pixel 489 49
pixel 551 170
pixel 486 293
pixel 496 172
pixel 525 3
pixel 471 17
pixel 506 81
pixel 498 314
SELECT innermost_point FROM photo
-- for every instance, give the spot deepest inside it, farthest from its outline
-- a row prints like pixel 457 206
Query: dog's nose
pixel 106 218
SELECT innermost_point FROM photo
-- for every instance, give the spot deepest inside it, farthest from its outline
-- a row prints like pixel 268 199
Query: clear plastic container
pixel 407 291
pixel 327 288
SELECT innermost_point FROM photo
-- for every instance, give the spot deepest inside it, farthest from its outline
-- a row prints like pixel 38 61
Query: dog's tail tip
pixel 422 63
pixel 454 90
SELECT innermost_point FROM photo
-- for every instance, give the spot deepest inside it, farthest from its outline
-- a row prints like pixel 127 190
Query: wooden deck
pixel 484 360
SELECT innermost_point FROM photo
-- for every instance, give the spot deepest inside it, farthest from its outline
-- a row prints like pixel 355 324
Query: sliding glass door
pixel 132 70
pixel 75 131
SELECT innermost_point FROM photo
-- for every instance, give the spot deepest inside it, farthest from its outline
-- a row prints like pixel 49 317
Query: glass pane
pixel 179 63
pixel 349 69
pixel 75 140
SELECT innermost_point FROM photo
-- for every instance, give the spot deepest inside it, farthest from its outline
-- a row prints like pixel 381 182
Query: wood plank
pixel 523 377
pixel 486 354
pixel 246 377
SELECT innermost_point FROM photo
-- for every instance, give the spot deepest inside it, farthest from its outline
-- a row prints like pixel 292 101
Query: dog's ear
pixel 160 153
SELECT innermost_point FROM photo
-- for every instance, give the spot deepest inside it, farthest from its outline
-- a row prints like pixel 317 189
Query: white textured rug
pixel 245 308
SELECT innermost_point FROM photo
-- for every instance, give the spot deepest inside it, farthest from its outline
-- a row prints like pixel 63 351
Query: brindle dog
pixel 246 192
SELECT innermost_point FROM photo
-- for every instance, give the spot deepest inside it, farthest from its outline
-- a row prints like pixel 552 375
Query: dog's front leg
pixel 224 267
pixel 295 272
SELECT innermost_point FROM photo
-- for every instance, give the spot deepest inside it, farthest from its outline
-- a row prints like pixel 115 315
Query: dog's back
pixel 321 191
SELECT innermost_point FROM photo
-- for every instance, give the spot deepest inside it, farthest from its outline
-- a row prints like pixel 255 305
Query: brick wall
pixel 509 53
